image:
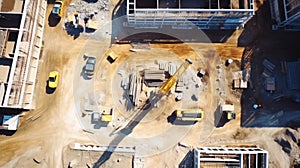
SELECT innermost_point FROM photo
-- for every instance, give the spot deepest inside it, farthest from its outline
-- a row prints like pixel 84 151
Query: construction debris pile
pixel 86 14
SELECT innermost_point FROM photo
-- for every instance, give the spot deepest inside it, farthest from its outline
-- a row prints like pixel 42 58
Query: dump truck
pixel 190 115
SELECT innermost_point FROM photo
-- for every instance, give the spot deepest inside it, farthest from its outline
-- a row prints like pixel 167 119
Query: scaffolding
pixel 286 14
pixel 24 53
pixel 230 157
pixel 185 14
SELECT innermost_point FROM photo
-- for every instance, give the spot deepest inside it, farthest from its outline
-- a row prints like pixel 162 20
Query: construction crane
pixel 164 89
pixel 166 86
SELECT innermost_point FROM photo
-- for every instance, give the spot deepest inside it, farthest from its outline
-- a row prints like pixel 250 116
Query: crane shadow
pixel 122 133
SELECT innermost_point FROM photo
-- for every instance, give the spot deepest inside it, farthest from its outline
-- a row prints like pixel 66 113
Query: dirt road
pixel 52 125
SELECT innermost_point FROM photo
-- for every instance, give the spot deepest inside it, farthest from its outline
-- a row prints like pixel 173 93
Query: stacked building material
pixel 154 78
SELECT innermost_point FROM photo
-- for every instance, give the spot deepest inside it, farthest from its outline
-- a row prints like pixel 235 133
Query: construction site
pixel 162 83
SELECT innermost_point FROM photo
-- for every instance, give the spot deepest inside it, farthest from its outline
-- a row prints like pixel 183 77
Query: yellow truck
pixel 58 9
pixel 190 115
pixel 111 57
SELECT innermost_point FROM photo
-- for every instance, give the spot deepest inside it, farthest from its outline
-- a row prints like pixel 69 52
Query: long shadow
pixel 51 1
pixel 7 132
pixel 91 1
pixel 187 161
pixel 10 112
pixel 220 117
pixel 278 108
pixel 122 133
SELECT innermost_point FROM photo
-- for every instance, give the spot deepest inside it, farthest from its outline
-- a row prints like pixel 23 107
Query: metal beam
pixel 194 10
pixel 290 2
pixel 29 55
pixel 16 55
pixel 285 12
pixel 294 8
pixel 290 20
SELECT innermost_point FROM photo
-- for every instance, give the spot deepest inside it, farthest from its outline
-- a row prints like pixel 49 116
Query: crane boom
pixel 163 90
pixel 166 86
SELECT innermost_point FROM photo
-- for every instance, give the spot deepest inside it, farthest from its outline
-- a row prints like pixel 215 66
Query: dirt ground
pixel 45 133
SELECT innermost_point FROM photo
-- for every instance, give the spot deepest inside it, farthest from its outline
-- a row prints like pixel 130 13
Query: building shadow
pixel 51 1
pixel 220 117
pixel 91 1
pixel 7 132
pixel 9 112
pixel 219 36
pixel 262 48
pixel 187 161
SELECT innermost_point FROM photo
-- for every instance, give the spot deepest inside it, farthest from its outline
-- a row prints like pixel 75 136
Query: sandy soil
pixel 53 124
pixel 7 5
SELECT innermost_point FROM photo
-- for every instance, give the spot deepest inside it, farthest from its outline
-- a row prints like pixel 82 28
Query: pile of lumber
pixel 154 78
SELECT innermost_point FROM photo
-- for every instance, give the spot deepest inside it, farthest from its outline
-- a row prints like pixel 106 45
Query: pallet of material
pixel 239 84
pixel 162 66
pixel 154 84
pixel 172 68
pixel 154 75
pixel 270 84
pixel 179 89
pixel 268 65
pixel 266 73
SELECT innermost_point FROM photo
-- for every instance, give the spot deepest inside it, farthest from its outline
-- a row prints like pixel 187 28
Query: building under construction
pixel 286 14
pixel 183 14
pixel 21 32
pixel 230 157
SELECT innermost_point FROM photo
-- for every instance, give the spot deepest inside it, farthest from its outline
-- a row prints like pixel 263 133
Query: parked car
pixel 53 79
pixel 90 67
pixel 57 9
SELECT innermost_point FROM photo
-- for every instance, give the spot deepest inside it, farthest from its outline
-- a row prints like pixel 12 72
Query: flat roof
pixel 192 4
